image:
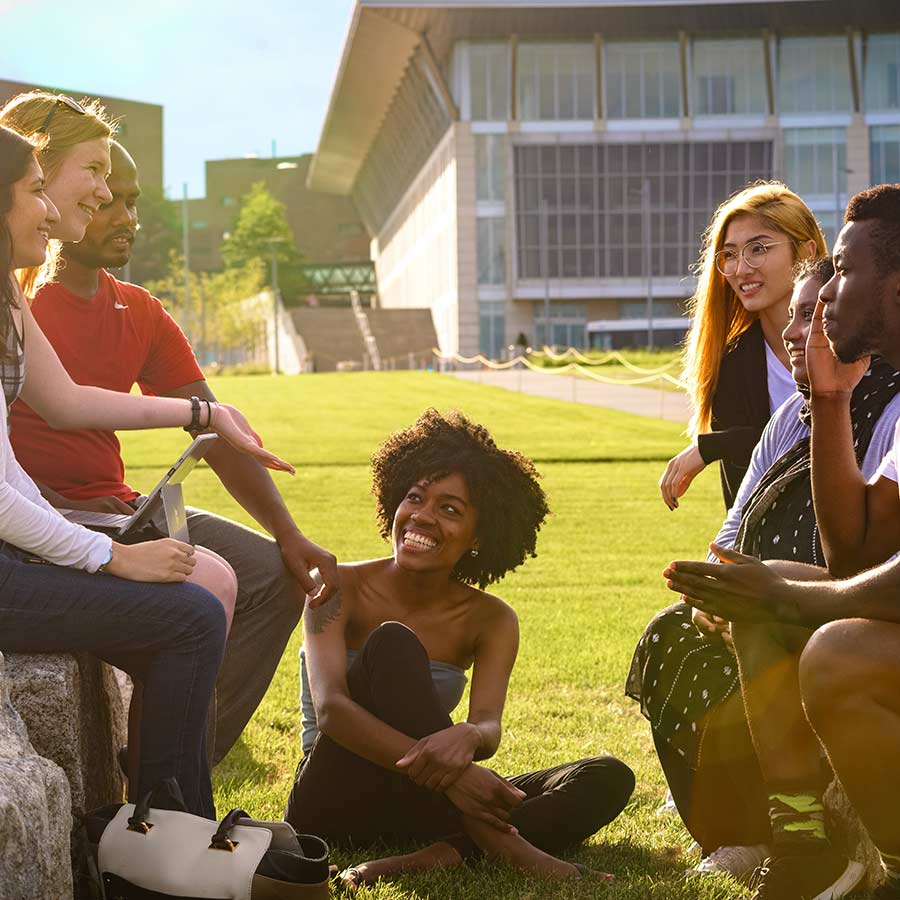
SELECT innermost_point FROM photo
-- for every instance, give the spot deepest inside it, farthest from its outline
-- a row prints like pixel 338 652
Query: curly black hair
pixel 821 268
pixel 880 205
pixel 503 485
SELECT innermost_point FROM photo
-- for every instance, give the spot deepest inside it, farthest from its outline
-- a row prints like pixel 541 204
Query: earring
pixel 473 551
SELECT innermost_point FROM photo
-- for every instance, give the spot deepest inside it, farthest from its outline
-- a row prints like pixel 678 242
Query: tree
pixel 261 231
pixel 158 237
pixel 224 311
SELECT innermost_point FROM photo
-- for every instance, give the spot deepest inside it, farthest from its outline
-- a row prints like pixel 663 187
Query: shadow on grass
pixel 240 764
pixel 629 861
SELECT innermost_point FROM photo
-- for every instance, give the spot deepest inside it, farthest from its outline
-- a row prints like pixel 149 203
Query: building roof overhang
pixel 383 36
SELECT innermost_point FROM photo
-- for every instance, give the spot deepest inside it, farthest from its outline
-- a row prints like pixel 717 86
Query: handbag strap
pixel 166 794
pixel 221 840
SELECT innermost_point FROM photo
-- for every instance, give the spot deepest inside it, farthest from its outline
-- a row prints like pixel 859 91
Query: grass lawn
pixel 582 602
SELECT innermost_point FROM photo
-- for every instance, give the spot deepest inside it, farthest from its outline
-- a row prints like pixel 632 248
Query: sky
pixel 231 75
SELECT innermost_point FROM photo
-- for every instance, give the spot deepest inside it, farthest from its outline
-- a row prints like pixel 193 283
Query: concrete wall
pixel 416 255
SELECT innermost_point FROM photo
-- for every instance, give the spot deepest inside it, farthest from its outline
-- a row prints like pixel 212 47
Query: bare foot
pixel 515 850
pixel 432 857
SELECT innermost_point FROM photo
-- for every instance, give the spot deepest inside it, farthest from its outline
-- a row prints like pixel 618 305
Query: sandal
pixel 351 878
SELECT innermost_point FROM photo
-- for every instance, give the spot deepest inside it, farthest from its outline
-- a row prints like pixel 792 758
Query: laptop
pixel 163 506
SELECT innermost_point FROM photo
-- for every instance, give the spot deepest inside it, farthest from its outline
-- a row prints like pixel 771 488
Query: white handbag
pixel 145 853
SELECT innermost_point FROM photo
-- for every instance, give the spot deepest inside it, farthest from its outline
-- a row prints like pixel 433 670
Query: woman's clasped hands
pixel 443 762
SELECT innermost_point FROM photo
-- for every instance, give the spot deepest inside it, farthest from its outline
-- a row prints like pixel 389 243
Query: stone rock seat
pixel 62 721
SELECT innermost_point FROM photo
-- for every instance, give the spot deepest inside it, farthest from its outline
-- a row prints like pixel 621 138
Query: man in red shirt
pixel 115 335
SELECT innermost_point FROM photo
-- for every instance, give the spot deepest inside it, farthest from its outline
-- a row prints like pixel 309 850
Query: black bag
pixel 155 850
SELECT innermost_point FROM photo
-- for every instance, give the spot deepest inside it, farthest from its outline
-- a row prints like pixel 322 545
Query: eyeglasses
pixel 754 254
pixel 61 100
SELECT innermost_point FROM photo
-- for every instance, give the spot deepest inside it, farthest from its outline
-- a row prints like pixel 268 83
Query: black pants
pixel 724 802
pixel 349 800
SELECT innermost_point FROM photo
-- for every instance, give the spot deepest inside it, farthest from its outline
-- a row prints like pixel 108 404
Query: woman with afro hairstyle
pixel 384 664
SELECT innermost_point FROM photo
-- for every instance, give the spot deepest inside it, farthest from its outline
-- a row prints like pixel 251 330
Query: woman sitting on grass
pixel 386 660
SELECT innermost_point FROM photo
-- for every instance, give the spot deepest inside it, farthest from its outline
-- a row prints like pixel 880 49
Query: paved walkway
pixel 643 401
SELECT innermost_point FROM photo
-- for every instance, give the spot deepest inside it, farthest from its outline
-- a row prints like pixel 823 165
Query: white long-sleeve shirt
pixel 782 432
pixel 29 522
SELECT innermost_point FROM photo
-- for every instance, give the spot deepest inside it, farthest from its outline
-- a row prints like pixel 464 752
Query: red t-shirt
pixel 120 337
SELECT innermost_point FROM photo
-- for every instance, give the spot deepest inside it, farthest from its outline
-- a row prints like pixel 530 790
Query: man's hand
pixel 438 760
pixel 828 376
pixel 711 626
pixel 744 590
pixel 303 557
pixel 99 504
pixel 482 794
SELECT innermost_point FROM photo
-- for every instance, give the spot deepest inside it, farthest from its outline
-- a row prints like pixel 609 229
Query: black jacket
pixel 740 410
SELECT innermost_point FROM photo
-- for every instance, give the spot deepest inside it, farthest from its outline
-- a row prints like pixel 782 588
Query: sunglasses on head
pixel 61 100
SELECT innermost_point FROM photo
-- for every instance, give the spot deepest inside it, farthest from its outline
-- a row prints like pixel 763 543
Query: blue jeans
pixel 171 637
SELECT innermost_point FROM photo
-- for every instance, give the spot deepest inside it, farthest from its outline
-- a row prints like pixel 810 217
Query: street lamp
pixel 273 242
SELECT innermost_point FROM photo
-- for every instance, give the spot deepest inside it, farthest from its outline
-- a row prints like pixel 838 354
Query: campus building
pixel 327 230
pixel 546 169
pixel 140 126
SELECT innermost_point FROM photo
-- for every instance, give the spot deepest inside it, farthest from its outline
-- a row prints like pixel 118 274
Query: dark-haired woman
pixel 385 660
pixel 168 636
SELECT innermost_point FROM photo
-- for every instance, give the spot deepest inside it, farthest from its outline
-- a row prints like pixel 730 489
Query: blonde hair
pixel 718 314
pixel 44 114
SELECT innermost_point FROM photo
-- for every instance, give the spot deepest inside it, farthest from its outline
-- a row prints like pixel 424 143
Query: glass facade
pixel 490 168
pixel 814 75
pixel 489 82
pixel 643 80
pixel 815 161
pixel 568 325
pixel 491 328
pixel 586 210
pixel 882 72
pixel 491 251
pixel 728 78
pixel 885 154
pixel 556 81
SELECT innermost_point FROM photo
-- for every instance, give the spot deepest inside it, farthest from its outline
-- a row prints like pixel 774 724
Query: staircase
pixel 362 323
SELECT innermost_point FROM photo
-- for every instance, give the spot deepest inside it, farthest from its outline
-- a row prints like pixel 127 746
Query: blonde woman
pixel 736 366
pixel 73 154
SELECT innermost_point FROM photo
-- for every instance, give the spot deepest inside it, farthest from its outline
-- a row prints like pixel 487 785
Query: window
pixel 492 325
pixel 882 73
pixel 637 309
pixel 568 324
pixel 489 82
pixel 491 253
pixel 815 162
pixel 490 167
pixel 729 78
pixel 586 210
pixel 556 81
pixel 885 154
pixel 643 80
pixel 814 75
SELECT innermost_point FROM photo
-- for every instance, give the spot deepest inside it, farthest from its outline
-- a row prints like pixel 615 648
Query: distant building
pixel 140 126
pixel 328 231
pixel 542 168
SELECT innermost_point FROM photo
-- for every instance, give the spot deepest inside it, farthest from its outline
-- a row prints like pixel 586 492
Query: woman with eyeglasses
pixel 736 367
pixel 169 636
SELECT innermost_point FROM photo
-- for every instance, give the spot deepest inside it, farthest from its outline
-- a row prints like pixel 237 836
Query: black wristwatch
pixel 194 427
